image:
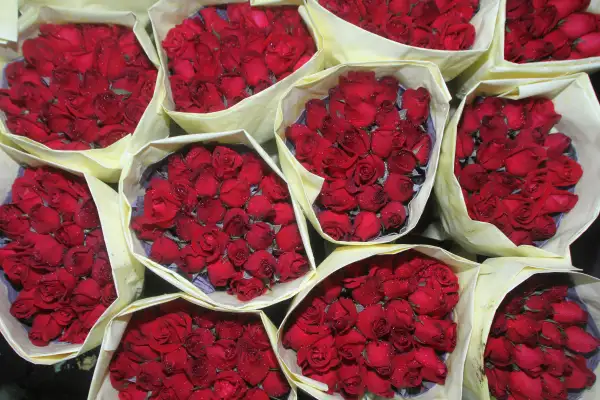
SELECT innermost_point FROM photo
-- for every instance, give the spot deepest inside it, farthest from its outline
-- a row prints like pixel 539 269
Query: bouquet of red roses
pixel 539 38
pixel 80 86
pixel 450 33
pixel 513 167
pixel 382 325
pixel 56 268
pixel 515 172
pixel 372 142
pixel 535 333
pixel 543 343
pixel 223 59
pixel 175 347
pixel 550 30
pixel 221 218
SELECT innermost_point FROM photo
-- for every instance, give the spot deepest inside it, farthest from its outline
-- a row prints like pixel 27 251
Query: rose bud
pixel 338 226
pixel 580 341
pixel 416 102
pixel 220 272
pixel 164 251
pixel 581 376
pixel 464 145
pixel 566 7
pixel 569 313
pixel 498 351
pixel 434 369
pixel 555 361
pixel 588 45
pixel 379 357
pixel 522 329
pixel 551 335
pixel 522 385
pixel 553 387
pixel 497 381
pixel 564 171
pixel 577 25
pixel 528 359
pixel 366 226
pixel 556 144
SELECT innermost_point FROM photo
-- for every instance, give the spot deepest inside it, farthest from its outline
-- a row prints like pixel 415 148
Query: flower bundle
pixel 220 216
pixel 550 30
pixel 226 53
pixel 370 140
pixel 430 24
pixel 542 342
pixel 54 254
pixel 515 173
pixel 79 87
pixel 381 325
pixel 176 351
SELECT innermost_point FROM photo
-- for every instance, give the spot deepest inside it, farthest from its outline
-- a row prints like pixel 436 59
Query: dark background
pixel 21 380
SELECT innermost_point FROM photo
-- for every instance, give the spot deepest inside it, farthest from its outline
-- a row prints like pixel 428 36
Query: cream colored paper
pixel 101 388
pixel 466 271
pixel 305 185
pixel 130 188
pixel 127 273
pixel 493 65
pixel 575 100
pixel 8 22
pixel 106 163
pixel 255 114
pixel 498 277
pixel 345 42
pixel 139 7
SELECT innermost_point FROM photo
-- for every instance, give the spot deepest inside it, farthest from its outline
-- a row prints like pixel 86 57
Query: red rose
pixel 43 330
pixel 497 381
pixel 528 359
pixel 333 163
pixel 435 334
pixel 259 207
pixel 366 226
pixel 78 260
pixel 56 286
pixel 399 187
pixel 458 36
pixel 210 242
pixel 564 171
pixel 498 351
pixel 581 376
pixel 275 385
pixel 372 198
pixel 288 238
pixel 351 384
pixel 579 341
pixel 433 369
pixel 393 215
pixel 229 329
pixel 493 153
pixel 568 313
pixel 168 332
pixel 372 322
pixel 350 345
pixel 337 226
pixel 220 272
pixel 164 251
pixel 23 307
pixel 522 385
pixel 291 265
pixel 473 177
pixel 238 252
pixel 234 193
pixel 416 102
pixel 318 357
pixel 406 371
pixel 535 50
pixel 252 169
pixel 521 211
pixel 371 168
pixel 577 25
pixel 274 188
pixel 400 315
pixel 555 361
pixel 341 316
pixel 565 7
pixel 261 264
pixel 259 236
pixel 246 289
pixel 336 197
pixel 559 201
pixel 316 112
pixel 12 221
pixel 235 222
pixel 522 329
pixel 226 162
pixel 70 235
